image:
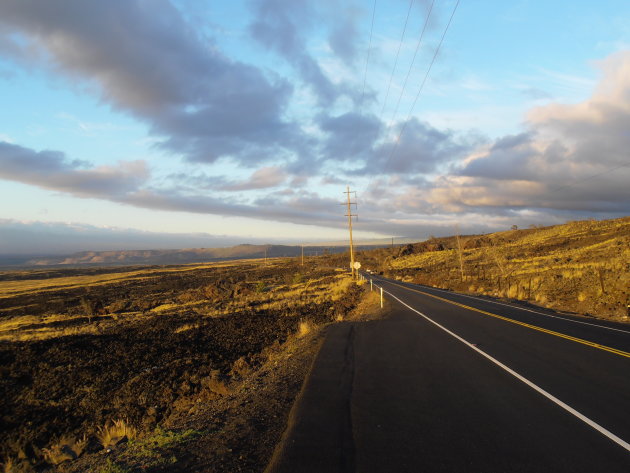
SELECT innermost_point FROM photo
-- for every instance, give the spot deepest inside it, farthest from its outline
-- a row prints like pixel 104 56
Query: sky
pixel 133 124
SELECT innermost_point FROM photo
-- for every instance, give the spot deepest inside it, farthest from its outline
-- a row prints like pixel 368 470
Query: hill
pixel 581 266
pixel 173 256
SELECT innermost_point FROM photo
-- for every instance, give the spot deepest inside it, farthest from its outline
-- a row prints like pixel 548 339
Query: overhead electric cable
pixel 402 37
pixel 572 184
pixel 367 61
pixel 402 90
pixel 424 80
pixel 424 27
pixel 413 60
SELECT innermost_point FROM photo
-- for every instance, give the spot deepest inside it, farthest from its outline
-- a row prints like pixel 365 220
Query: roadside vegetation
pixel 581 267
pixel 131 370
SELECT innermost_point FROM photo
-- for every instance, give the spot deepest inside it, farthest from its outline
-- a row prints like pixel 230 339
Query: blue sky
pixel 141 124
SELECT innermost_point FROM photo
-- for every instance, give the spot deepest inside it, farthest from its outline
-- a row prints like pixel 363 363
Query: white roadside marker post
pixel 381 298
pixel 370 285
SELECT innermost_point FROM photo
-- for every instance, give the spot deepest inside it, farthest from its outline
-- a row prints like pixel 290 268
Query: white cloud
pixel 572 157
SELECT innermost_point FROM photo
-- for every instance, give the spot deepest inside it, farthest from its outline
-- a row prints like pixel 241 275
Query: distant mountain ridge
pixel 178 256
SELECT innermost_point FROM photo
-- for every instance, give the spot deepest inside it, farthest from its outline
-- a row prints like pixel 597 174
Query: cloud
pixel 53 170
pixel 144 59
pixel 350 136
pixel 63 238
pixel 422 148
pixel 128 183
pixel 343 37
pixel 263 178
pixel 573 157
pixel 536 93
pixel 280 25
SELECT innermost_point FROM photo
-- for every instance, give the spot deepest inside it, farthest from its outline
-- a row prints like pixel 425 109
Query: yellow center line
pixel 533 327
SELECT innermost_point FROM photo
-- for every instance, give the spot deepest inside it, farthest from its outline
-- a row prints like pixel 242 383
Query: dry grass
pixel 25 286
pixel 43 327
pixel 9 466
pixel 304 328
pixel 67 448
pixel 581 266
pixel 114 432
pixel 275 297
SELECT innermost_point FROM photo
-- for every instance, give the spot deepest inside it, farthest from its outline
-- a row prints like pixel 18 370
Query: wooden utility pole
pixel 302 255
pixel 459 253
pixel 349 203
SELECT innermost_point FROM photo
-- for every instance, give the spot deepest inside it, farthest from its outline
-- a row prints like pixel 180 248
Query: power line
pixel 367 61
pixel 402 91
pixel 568 186
pixel 413 60
pixel 424 80
pixel 402 37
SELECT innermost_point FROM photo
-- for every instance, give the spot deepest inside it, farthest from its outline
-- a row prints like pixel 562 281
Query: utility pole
pixel 459 252
pixel 265 256
pixel 392 243
pixel 349 203
pixel 302 255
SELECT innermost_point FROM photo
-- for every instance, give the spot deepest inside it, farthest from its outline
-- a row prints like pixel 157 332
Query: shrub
pixel 114 432
pixel 66 449
pixel 9 466
pixel 304 328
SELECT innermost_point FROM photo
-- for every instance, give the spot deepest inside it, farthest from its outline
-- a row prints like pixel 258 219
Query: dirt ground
pixel 203 363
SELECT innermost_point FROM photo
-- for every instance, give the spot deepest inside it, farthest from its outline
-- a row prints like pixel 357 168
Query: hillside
pixel 173 256
pixel 167 256
pixel 580 266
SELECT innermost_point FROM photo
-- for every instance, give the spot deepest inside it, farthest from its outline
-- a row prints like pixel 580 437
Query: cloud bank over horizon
pixel 276 142
pixel 51 238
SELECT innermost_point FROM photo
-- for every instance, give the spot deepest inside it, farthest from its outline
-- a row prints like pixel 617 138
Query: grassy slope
pixel 579 266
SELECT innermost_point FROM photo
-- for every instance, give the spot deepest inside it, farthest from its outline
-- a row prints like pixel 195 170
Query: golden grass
pixel 9 466
pixel 14 288
pixel 67 448
pixel 114 432
pixel 320 289
pixel 583 262
pixel 304 328
pixel 30 327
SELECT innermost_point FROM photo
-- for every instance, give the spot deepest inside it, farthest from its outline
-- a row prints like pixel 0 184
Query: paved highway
pixel 452 383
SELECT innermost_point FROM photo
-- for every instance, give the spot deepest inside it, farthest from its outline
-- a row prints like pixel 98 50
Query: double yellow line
pixel 533 327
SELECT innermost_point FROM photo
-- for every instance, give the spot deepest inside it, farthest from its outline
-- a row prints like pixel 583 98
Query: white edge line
pixel 525 309
pixel 535 387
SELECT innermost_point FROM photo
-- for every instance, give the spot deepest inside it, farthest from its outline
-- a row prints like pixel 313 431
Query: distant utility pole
pixel 265 255
pixel 392 243
pixel 302 255
pixel 349 203
pixel 459 252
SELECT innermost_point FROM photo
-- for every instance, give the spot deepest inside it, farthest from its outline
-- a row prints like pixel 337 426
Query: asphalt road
pixel 449 383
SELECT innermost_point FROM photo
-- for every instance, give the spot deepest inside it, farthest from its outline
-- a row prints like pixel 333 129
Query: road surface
pixel 452 383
